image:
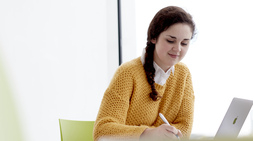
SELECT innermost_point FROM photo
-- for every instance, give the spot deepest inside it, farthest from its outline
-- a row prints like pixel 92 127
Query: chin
pixel 172 64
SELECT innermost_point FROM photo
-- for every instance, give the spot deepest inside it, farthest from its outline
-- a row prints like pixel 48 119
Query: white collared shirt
pixel 160 75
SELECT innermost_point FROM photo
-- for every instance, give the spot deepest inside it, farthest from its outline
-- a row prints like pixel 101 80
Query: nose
pixel 177 47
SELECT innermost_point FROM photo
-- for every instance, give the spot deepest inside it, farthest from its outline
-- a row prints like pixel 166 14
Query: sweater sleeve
pixel 184 120
pixel 111 118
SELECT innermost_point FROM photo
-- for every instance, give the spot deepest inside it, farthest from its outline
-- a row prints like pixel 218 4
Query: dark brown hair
pixel 163 19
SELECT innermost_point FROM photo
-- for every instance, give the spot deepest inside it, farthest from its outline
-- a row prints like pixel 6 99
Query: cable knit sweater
pixel 127 110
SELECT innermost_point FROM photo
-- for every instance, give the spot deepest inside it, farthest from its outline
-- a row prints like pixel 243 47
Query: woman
pixel 157 82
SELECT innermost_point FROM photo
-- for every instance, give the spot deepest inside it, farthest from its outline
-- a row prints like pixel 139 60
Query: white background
pixel 59 57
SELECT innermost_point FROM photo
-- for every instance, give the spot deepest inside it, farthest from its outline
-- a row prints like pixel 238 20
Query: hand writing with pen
pixel 162 132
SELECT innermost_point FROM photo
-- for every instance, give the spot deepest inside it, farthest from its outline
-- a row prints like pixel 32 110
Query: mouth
pixel 173 55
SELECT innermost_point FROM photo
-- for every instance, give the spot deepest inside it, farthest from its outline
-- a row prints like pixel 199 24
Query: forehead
pixel 179 30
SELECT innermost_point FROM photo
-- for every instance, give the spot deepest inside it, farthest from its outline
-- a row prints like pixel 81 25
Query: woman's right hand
pixel 162 132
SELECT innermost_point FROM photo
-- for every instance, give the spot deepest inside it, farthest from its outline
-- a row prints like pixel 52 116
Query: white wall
pixel 59 57
pixel 128 27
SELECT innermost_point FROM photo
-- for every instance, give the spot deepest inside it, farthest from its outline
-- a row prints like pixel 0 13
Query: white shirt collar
pixel 160 75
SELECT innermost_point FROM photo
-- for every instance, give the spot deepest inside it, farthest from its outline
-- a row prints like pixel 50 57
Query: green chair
pixel 72 130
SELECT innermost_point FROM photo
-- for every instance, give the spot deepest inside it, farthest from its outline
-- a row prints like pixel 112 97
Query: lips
pixel 173 55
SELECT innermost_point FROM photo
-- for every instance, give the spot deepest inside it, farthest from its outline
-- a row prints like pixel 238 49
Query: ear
pixel 153 41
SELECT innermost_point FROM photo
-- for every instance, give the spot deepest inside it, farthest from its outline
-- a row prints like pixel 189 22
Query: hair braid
pixel 150 70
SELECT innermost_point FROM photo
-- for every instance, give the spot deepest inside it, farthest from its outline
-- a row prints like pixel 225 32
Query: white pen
pixel 165 121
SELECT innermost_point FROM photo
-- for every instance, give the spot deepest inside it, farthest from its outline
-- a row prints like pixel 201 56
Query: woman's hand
pixel 162 132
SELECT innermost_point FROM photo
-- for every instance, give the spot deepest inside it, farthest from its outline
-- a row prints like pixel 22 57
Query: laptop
pixel 234 118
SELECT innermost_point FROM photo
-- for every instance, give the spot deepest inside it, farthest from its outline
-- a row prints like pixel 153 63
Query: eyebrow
pixel 175 37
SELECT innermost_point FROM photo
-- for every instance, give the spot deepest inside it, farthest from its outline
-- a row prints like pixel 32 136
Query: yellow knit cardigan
pixel 127 110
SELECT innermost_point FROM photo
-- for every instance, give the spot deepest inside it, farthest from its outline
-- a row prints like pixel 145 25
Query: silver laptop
pixel 234 118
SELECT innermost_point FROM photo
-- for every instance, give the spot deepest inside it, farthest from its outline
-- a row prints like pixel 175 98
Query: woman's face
pixel 172 45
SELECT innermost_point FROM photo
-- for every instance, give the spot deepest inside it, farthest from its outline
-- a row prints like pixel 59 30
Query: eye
pixel 170 41
pixel 184 44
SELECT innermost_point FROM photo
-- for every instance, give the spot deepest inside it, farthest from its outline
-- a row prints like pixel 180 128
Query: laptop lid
pixel 234 118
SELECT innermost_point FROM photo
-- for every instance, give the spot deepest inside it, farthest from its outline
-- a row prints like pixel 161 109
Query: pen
pixel 165 121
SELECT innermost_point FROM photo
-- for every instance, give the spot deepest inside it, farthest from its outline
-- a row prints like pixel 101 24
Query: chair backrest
pixel 72 130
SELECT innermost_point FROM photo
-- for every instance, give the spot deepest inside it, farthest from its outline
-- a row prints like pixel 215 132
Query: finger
pixel 172 129
pixel 170 135
pixel 167 131
pixel 177 133
pixel 180 134
pixel 172 132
